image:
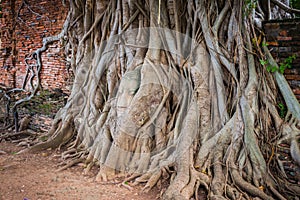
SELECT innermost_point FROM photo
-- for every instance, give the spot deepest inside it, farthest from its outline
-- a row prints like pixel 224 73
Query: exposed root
pixel 245 186
pixel 64 133
pixel 24 133
pixel 279 196
pixel 70 164
pixel 152 181
pixel 3 152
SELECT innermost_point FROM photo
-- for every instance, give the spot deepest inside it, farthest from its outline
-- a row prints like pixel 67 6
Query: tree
pixel 176 91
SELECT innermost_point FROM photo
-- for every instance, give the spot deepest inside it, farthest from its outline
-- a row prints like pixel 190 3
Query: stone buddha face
pixel 129 85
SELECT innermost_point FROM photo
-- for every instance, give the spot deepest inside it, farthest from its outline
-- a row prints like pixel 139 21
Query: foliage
pixel 264 44
pixel 286 64
pixel 282 110
pixel 249 6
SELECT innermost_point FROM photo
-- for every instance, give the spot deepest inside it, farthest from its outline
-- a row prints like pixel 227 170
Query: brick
pixel 288 43
pixel 296 91
pixel 292 77
pixel 29 37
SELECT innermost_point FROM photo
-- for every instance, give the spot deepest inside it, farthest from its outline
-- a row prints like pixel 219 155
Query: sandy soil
pixel 32 176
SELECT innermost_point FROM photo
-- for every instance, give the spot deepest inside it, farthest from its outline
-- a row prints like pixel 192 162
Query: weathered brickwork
pixel 23 25
pixel 283 37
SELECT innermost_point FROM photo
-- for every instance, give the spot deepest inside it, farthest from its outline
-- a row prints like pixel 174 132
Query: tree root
pixel 24 133
pixel 2 152
pixel 245 186
pixel 279 196
pixel 70 164
pixel 152 181
pixel 64 133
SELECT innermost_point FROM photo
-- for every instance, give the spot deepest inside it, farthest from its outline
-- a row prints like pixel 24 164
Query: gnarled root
pixel 64 131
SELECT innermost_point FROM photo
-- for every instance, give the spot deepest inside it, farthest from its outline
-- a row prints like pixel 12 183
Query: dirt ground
pixel 31 176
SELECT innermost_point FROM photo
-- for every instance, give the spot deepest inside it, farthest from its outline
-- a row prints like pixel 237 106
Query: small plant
pixel 264 44
pixel 272 68
pixel 263 62
pixel 282 110
pixel 286 64
pixel 249 6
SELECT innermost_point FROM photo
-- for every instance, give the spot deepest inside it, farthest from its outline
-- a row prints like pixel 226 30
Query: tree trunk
pixel 175 91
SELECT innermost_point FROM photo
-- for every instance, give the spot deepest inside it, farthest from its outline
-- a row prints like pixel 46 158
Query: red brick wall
pixel 283 37
pixel 22 28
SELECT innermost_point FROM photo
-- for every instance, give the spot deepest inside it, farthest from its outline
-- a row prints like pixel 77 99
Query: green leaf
pixel 281 71
pixel 282 110
pixel 273 69
pixel 282 68
pixel 264 44
pixel 280 105
pixel 263 62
